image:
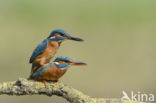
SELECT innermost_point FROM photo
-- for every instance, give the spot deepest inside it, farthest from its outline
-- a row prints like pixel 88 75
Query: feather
pixel 39 72
pixel 39 50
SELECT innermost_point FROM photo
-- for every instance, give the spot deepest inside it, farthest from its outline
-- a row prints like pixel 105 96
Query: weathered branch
pixel 27 87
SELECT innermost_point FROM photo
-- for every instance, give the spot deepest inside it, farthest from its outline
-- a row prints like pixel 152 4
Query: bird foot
pixel 57 82
pixel 44 64
pixel 45 82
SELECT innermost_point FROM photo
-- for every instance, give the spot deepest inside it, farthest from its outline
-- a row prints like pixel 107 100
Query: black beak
pixel 78 63
pixel 74 38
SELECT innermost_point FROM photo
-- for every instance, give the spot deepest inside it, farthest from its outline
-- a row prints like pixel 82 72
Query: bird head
pixel 60 34
pixel 64 62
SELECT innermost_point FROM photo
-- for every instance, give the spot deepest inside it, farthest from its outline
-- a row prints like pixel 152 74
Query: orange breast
pixel 46 56
pixel 48 53
pixel 52 74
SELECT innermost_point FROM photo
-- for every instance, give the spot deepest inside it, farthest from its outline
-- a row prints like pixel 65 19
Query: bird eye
pixel 67 61
pixel 62 34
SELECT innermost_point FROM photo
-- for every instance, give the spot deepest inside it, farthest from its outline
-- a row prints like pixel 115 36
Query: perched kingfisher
pixel 48 47
pixel 53 71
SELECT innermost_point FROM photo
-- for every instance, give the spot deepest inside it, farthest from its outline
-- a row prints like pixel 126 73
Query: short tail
pixel 32 67
pixel 30 77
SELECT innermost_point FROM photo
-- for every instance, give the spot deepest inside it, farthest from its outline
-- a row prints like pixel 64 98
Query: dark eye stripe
pixel 67 61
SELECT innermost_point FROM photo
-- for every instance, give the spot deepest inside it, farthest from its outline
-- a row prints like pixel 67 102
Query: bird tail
pixel 32 67
pixel 30 77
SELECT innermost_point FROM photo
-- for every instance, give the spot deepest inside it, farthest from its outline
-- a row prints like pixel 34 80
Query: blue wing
pixel 39 49
pixel 40 71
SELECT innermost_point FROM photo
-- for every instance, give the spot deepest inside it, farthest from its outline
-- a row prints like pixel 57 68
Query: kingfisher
pixel 48 47
pixel 53 71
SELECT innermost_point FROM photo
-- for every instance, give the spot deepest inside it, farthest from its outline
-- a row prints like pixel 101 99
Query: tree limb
pixel 27 87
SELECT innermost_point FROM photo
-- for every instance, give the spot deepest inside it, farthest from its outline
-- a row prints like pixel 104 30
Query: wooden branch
pixel 27 87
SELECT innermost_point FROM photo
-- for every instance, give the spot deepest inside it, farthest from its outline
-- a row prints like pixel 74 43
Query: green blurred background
pixel 119 46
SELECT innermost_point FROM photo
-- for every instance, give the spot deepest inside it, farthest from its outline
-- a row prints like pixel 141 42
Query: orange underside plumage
pixel 46 56
pixel 51 74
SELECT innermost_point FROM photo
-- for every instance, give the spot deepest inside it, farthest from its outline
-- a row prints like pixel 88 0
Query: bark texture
pixel 26 87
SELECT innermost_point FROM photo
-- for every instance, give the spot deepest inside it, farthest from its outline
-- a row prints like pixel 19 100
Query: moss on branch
pixel 27 87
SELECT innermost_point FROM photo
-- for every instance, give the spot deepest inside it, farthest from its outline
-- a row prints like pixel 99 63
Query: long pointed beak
pixel 74 38
pixel 78 63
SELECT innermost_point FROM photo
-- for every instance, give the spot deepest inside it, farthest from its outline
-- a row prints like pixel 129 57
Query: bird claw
pixel 44 64
pixel 57 82
pixel 45 82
